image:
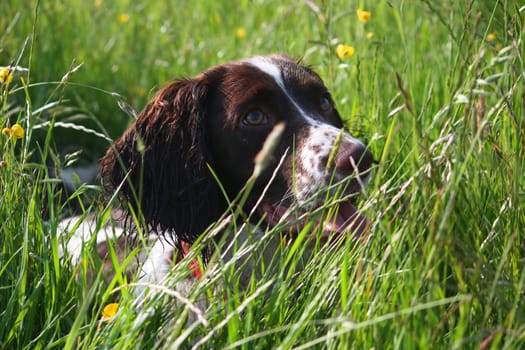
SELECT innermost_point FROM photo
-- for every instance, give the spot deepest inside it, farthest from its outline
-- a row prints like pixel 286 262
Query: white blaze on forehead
pixel 272 69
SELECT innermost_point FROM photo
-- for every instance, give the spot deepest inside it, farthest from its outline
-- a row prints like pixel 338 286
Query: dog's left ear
pixel 161 163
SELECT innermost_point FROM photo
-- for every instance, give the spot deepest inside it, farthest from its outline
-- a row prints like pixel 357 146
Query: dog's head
pixel 197 131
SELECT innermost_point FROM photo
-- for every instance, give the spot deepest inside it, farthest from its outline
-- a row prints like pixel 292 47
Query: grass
pixel 437 89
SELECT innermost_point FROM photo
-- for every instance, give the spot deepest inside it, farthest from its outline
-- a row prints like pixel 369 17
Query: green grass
pixel 440 104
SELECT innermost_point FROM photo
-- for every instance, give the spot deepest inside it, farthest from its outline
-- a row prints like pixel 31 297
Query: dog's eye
pixel 325 104
pixel 255 117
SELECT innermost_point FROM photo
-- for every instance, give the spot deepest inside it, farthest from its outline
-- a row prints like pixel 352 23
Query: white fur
pixel 79 231
pixel 318 144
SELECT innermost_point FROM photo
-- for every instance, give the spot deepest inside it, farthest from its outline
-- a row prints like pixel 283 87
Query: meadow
pixel 437 90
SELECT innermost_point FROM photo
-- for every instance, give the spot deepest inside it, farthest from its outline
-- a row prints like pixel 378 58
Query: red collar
pixel 195 267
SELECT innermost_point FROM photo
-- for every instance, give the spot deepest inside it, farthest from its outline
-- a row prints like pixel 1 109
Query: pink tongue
pixel 347 219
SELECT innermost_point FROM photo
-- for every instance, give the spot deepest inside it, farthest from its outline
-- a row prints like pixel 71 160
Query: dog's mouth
pixel 345 220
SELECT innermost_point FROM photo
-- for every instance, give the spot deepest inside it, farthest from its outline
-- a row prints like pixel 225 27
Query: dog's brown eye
pixel 325 104
pixel 255 117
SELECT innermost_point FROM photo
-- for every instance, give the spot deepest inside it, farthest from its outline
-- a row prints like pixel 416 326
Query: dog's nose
pixel 352 154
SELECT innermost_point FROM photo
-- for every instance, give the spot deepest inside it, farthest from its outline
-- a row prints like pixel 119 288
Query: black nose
pixel 352 154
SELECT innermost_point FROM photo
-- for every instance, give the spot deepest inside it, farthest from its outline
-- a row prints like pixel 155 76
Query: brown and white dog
pixel 194 147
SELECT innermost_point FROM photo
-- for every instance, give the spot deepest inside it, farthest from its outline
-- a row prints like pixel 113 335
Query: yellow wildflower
pixel 491 37
pixel 369 35
pixel 364 16
pixel 16 131
pixel 217 18
pixel 5 75
pixel 141 91
pixel 123 18
pixel 240 33
pixel 110 310
pixel 344 51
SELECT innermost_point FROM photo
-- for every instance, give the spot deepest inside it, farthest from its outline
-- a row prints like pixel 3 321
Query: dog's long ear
pixel 160 163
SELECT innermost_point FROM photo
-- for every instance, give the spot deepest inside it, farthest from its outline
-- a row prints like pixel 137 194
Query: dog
pixel 260 137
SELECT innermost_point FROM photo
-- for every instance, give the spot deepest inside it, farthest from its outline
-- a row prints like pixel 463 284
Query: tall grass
pixel 437 88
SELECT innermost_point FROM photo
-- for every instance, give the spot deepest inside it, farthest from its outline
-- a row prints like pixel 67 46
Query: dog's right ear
pixel 160 164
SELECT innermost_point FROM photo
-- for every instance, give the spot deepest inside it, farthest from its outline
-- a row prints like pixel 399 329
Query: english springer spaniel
pixel 260 138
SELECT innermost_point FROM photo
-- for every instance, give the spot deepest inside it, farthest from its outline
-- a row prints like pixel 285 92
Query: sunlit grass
pixel 436 90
